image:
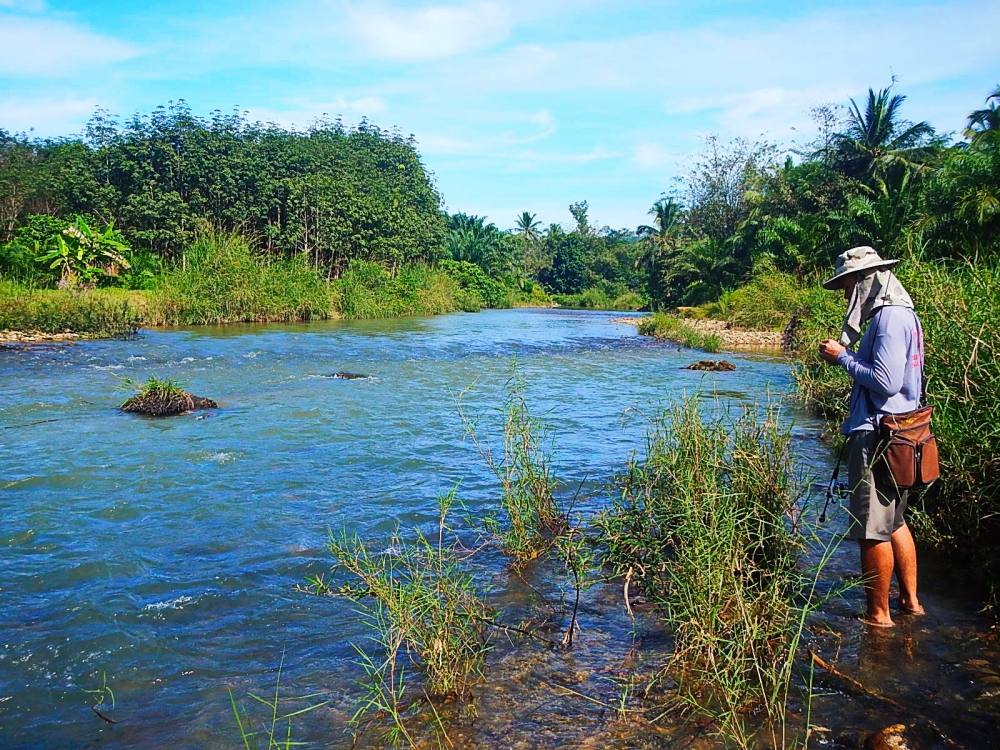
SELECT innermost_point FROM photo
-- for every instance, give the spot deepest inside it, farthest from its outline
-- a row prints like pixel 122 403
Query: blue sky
pixel 516 105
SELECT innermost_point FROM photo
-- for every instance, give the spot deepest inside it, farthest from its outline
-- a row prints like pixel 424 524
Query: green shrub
pixel 19 257
pixel 477 285
pixel 221 280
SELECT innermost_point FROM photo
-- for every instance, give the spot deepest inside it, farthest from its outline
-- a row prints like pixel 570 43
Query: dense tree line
pixel 331 194
pixel 871 177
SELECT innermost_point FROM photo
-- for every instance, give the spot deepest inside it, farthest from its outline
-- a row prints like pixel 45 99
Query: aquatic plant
pixel 703 526
pixel 422 609
pixel 674 328
pixel 275 727
pixel 531 516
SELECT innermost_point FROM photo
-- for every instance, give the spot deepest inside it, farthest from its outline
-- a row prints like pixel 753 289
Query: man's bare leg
pixel 904 553
pixel 876 568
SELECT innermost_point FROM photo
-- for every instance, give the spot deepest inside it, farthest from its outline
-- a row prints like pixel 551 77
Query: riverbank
pixel 708 334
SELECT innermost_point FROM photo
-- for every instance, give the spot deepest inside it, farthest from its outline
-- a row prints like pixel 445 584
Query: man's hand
pixel 830 350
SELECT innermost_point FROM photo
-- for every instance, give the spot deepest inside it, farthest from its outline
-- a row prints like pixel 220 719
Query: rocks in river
pixel 349 376
pixel 892 737
pixel 165 399
pixel 712 365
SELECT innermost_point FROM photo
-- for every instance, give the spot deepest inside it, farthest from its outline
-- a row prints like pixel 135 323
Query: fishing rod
pixel 833 489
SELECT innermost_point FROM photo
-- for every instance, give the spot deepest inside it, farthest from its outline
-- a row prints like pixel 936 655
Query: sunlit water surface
pixel 162 555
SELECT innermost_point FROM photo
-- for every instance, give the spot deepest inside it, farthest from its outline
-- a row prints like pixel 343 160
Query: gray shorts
pixel 876 508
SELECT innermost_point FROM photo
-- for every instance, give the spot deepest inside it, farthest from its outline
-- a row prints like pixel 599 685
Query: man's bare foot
pixel 908 608
pixel 876 623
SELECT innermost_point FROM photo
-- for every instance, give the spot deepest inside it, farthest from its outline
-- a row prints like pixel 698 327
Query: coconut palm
pixel 659 242
pixel 987 120
pixel 668 213
pixel 528 226
pixel 878 144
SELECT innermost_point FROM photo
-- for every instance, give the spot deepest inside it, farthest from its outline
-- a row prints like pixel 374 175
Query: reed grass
pixel 704 526
pixel 422 609
pixel 222 280
pixel 530 517
pixel 676 329
pixel 271 728
pixel 368 290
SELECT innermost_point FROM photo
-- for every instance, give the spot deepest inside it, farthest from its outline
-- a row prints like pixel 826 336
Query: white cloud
pixel 497 143
pixel 30 6
pixel 434 32
pixel 653 156
pixel 49 117
pixel 37 47
pixel 302 113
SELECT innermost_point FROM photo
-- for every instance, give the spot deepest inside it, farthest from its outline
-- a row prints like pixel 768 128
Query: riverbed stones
pixel 892 737
pixel 712 365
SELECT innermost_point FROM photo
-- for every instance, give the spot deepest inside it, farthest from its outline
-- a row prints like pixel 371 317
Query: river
pixel 161 556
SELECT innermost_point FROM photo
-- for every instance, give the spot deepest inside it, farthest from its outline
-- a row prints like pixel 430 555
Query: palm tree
pixel 878 145
pixel 667 213
pixel 528 226
pixel 660 241
pixel 987 120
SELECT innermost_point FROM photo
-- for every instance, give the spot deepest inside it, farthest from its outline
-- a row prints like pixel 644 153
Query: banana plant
pixel 83 254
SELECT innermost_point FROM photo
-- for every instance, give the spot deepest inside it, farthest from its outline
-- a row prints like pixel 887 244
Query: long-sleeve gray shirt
pixel 888 364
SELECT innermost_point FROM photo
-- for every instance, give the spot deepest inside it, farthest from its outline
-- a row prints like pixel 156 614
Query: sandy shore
pixel 733 338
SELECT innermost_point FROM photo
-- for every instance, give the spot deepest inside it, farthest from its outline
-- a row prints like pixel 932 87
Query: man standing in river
pixel 887 370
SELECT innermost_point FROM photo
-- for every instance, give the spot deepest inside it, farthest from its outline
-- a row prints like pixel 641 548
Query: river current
pixel 161 556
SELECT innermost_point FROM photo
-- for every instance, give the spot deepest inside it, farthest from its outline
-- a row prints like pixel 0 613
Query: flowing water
pixel 161 556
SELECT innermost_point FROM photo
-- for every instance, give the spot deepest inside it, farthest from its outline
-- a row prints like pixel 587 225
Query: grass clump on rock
pixel 164 398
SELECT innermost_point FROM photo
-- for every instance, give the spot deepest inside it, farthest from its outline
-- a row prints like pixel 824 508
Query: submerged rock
pixel 166 403
pixel 892 737
pixel 349 376
pixel 712 365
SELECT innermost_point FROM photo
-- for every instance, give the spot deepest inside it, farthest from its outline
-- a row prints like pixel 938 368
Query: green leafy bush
pixel 475 282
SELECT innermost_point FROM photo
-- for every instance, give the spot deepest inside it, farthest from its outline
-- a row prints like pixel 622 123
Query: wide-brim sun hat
pixel 856 259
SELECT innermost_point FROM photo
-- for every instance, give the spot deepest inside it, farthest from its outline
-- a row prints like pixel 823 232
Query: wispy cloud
pixel 394 32
pixel 301 113
pixel 62 115
pixel 41 47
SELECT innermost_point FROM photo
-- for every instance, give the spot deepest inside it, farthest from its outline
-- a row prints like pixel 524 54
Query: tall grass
pixel 671 327
pixel 597 298
pixel 222 280
pixel 767 302
pixel 368 290
pixel 423 610
pixel 703 527
pixel 92 312
pixel 530 514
